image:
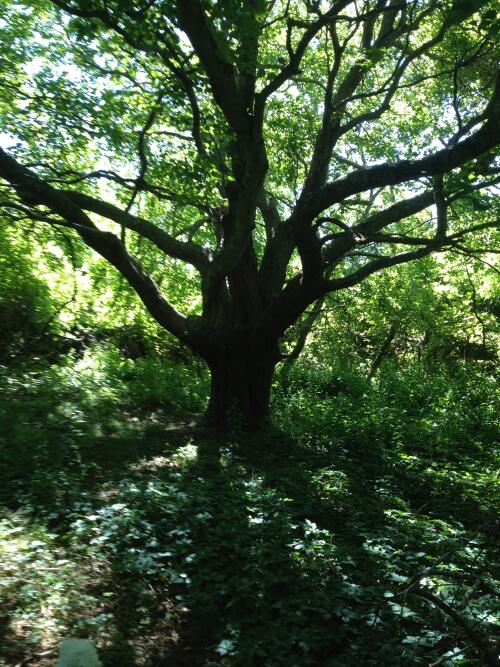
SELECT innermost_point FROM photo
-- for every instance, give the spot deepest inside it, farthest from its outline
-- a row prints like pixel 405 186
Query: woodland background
pixel 359 528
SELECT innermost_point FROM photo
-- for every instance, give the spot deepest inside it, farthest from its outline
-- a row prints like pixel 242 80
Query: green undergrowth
pixel 64 423
pixel 359 531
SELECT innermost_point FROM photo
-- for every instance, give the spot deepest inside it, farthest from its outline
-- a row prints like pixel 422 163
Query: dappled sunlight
pixel 249 333
pixel 168 544
pixel 47 588
pixel 153 464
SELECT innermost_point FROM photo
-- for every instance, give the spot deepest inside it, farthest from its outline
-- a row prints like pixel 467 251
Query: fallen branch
pixel 460 621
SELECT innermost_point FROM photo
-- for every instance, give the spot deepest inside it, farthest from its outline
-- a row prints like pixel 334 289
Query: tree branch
pixel 36 192
pixel 409 170
pixel 377 265
pixel 221 73
pixel 186 251
pixel 374 223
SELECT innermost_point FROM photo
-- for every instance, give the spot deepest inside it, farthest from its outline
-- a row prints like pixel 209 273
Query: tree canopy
pixel 237 162
pixel 206 201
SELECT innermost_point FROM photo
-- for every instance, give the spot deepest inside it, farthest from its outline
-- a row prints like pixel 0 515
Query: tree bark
pixel 241 381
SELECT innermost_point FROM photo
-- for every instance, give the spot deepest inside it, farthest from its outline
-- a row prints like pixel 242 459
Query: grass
pixel 342 537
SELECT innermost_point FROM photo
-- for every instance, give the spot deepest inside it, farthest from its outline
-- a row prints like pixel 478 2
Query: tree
pixel 278 151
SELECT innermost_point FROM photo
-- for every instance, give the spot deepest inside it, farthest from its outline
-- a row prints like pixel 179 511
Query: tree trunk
pixel 241 387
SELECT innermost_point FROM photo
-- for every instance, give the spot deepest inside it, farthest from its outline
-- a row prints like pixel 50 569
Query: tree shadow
pixel 231 576
pixel 330 486
pixel 250 548
pixel 244 576
pixel 249 583
pixel 257 544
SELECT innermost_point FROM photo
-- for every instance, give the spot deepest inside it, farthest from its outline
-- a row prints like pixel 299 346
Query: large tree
pixel 277 150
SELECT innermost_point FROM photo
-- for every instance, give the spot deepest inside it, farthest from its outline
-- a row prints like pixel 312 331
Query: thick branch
pixel 377 265
pixel 221 73
pixel 36 192
pixel 441 207
pixel 409 170
pixel 188 252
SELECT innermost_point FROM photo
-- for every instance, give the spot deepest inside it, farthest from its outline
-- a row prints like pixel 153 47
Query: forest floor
pixel 169 546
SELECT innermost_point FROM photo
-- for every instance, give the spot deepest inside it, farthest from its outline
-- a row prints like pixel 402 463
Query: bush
pixel 55 417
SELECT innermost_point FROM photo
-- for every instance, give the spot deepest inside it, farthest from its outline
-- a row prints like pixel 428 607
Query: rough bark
pixel 241 387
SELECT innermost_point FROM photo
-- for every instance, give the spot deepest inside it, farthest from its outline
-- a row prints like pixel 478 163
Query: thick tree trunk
pixel 241 387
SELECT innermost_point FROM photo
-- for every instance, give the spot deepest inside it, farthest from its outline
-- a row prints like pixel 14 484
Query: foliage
pixel 25 301
pixel 317 551
pixel 262 176
pixel 56 417
pixel 237 165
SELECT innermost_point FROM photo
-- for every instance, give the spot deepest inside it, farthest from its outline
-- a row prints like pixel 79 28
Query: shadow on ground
pixel 200 550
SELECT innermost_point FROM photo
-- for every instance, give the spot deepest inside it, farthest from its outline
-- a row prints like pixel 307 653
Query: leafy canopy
pixel 238 161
